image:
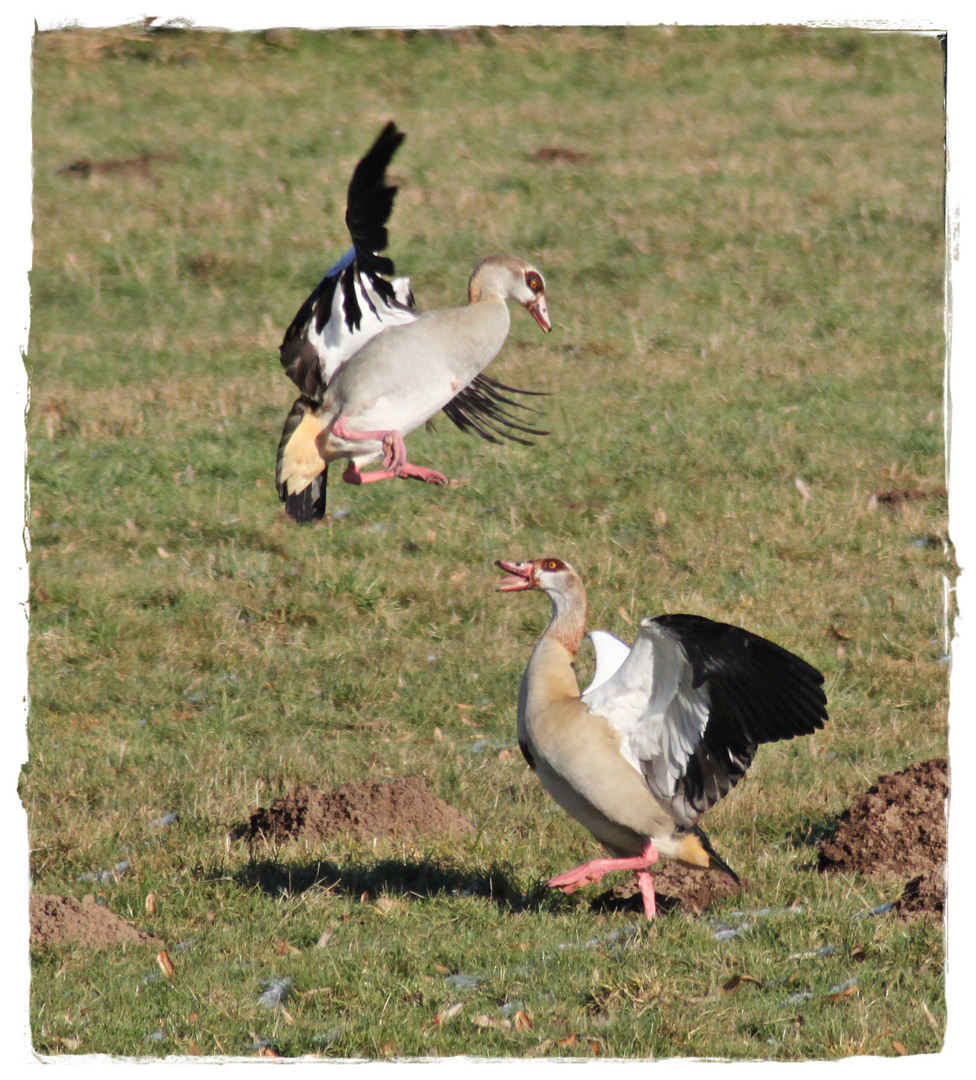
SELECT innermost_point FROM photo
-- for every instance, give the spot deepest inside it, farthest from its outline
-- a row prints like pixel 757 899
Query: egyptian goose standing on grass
pixel 352 304
pixel 665 729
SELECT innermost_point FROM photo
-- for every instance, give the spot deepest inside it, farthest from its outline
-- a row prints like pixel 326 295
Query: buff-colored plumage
pixel 665 730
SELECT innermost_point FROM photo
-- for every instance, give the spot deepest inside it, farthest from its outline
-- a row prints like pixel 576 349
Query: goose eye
pixel 534 282
pixel 552 564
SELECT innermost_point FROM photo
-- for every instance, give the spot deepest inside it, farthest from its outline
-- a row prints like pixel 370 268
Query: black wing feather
pixel 298 355
pixel 758 692
pixel 482 407
pixel 368 207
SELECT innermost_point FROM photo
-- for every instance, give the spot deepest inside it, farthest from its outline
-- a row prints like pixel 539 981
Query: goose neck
pixel 568 622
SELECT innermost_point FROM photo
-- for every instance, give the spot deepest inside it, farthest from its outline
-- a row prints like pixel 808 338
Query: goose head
pixel 560 582
pixel 510 278
pixel 549 575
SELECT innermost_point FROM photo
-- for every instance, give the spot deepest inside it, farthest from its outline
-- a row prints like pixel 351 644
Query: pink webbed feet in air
pixel 394 462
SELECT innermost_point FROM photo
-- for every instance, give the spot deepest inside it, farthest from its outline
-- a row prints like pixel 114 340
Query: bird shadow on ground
pixel 679 888
pixel 390 877
pixel 423 879
pixel 618 901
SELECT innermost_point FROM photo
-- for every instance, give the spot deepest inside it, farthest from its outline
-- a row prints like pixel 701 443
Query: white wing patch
pixel 337 343
pixel 672 725
pixel 611 652
pixel 650 702
pixel 623 697
pixel 402 291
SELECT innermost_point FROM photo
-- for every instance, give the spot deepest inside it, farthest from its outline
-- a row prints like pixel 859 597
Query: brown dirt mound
pixel 56 920
pixel 897 830
pixel 403 808
pixel 676 886
pixel 923 897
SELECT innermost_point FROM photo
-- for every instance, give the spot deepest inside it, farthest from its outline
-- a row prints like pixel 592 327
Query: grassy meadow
pixel 745 261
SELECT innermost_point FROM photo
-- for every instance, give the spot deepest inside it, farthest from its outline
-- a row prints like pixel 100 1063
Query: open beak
pixel 540 312
pixel 520 576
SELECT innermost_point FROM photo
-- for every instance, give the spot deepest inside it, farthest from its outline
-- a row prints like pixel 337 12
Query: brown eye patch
pixel 534 282
pixel 552 564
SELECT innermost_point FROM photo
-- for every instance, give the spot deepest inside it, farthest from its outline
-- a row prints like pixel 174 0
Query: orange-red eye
pixel 534 282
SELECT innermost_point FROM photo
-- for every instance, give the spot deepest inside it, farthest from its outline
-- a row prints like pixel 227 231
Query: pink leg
pixel 395 462
pixel 396 450
pixel 352 475
pixel 646 885
pixel 591 872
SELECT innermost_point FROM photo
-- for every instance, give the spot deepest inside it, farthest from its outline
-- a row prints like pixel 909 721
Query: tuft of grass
pixel 745 267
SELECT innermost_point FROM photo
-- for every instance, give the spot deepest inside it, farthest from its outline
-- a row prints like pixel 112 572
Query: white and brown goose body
pixel 353 303
pixel 401 378
pixel 663 732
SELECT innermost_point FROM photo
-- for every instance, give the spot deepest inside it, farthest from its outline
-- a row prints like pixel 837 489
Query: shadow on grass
pixel 394 877
pixel 612 902
pixel 810 834
pixel 391 877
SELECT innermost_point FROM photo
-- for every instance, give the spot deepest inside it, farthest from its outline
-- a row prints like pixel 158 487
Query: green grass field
pixel 745 276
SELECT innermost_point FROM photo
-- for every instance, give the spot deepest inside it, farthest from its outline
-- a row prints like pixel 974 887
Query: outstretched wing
pixel 354 301
pixel 694 700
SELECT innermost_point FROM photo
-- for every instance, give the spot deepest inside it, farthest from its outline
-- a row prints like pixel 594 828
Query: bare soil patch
pixel 677 887
pixel 897 830
pixel 902 495
pixel 405 808
pixel 57 920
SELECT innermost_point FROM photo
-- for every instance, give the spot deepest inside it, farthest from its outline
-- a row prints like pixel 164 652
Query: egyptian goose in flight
pixel 666 728
pixel 352 304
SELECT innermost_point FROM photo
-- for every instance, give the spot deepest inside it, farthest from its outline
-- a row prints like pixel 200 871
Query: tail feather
pixel 309 503
pixel 695 849
pixel 300 471
pixel 717 862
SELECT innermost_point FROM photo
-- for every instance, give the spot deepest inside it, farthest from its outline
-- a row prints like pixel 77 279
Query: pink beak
pixel 520 576
pixel 540 312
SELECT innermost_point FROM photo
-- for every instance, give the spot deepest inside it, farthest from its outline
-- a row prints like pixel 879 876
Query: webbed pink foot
pixel 587 874
pixel 394 460
pixel 418 472
pixel 352 475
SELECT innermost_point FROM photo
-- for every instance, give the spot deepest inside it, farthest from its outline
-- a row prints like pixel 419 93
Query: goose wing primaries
pixel 354 301
pixel 483 408
pixel 695 698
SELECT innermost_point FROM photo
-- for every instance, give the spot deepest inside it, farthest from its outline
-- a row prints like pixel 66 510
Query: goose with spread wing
pixel 665 729
pixel 354 302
